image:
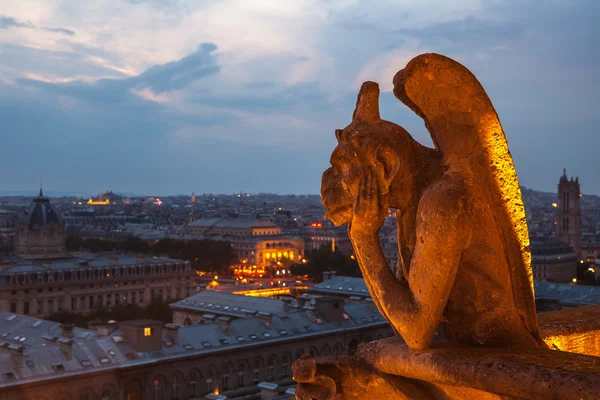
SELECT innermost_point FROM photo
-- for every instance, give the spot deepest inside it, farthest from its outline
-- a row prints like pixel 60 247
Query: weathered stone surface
pixel 523 373
pixel 464 255
pixel 462 231
pixel 328 378
pixel 575 330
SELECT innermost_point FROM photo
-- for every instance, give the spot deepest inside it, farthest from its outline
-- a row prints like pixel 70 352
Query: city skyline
pixel 153 97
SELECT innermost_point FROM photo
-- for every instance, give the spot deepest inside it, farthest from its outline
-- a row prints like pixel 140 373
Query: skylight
pixel 104 361
pixel 86 363
pixel 189 346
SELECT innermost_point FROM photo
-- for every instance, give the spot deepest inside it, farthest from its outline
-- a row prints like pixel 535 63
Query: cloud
pixel 7 22
pixel 150 85
pixel 60 30
pixel 10 22
pixel 138 105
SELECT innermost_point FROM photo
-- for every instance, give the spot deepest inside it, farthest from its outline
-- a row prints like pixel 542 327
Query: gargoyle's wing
pixel 465 128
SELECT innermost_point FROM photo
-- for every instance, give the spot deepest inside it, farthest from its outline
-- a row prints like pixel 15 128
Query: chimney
pixel 326 275
pixel 49 339
pixel 249 313
pixel 286 303
pixel 66 331
pixel 106 329
pixel 208 318
pixel 16 353
pixel 66 347
pixel 268 390
pixel 331 308
pixel 266 318
pixel 225 324
pixel 332 274
pixel 172 332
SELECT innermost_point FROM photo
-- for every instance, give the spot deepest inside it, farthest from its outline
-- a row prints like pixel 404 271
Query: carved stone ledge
pixel 576 330
pixel 528 374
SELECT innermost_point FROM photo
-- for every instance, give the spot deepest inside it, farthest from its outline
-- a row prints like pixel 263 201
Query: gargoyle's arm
pixel 414 308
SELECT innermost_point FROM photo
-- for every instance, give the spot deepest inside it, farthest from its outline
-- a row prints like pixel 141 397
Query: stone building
pixel 255 242
pixel 568 213
pixel 43 279
pixel 78 284
pixel 248 358
pixel 40 231
pixel 8 229
pixel 553 261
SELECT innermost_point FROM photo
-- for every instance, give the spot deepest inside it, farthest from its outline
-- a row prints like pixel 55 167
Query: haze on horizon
pixel 170 97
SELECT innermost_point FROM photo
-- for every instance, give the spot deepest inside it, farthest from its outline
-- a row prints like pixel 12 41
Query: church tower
pixel 568 213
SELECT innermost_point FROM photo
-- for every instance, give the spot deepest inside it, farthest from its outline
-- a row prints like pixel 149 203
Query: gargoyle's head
pixel 367 143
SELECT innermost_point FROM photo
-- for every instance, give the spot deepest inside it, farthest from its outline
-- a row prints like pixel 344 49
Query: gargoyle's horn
pixel 367 104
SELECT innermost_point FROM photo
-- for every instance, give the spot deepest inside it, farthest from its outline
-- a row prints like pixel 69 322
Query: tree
pixel 323 259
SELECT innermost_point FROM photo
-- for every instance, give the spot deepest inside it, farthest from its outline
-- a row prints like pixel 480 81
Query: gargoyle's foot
pixel 329 378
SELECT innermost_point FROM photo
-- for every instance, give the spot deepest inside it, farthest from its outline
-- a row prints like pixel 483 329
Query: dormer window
pixel 147 331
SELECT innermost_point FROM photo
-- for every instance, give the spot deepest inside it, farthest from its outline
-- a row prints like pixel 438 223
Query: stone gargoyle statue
pixel 464 259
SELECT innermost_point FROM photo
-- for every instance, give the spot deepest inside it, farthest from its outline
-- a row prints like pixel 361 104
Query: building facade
pixel 568 213
pixel 137 360
pixel 40 231
pixel 79 284
pixel 553 261
pixel 255 242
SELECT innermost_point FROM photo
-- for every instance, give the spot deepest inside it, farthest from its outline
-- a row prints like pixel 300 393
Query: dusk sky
pixel 174 96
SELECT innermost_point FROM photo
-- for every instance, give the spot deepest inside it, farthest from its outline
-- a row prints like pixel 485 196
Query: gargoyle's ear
pixel 388 167
pixel 367 104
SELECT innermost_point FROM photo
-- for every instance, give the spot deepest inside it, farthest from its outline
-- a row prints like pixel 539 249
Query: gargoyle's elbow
pixel 418 342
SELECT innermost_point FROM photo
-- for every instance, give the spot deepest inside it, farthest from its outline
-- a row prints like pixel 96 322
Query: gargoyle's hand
pixel 370 207
pixel 311 383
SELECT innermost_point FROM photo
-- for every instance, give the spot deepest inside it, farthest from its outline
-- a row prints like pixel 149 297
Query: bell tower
pixel 568 213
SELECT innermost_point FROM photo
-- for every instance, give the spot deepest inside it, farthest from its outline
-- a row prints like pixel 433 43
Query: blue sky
pixel 167 97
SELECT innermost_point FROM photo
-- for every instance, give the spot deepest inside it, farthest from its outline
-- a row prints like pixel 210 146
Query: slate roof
pixel 87 261
pixel 233 305
pixel 342 285
pixel 46 361
pixel 565 293
pixel 233 223
pixel 41 213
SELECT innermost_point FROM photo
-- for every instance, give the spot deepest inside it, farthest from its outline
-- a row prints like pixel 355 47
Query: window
pixel 241 379
pixel 209 385
pixel 13 308
pixel 73 303
pixel 50 306
pixel 175 388
pixel 192 385
pixel 40 307
pixel 91 302
pixel 147 331
pixel 270 373
pixel 255 375
pixel 156 390
pixel 60 304
pixel 284 370
pixel 225 382
pixel 26 308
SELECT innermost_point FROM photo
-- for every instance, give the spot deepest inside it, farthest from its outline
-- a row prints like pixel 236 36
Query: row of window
pixel 97 273
pixel 83 303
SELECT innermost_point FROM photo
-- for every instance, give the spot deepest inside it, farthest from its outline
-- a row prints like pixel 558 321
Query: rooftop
pixel 234 305
pixel 83 261
pixel 95 352
pixel 345 285
pixel 233 223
